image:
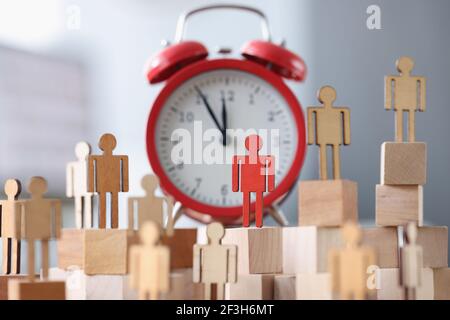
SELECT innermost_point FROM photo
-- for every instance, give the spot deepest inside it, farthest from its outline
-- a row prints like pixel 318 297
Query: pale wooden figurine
pixel 330 128
pixel 150 207
pixel 215 263
pixel 10 227
pixel 77 183
pixel 108 173
pixel 411 263
pixel 149 264
pixel 348 266
pixel 409 94
pixel 41 221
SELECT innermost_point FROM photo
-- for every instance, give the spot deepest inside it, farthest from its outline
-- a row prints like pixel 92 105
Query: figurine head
pixel 351 234
pixel 82 150
pixel 411 233
pixel 149 183
pixel 107 142
pixel 149 233
pixel 405 65
pixel 215 232
pixel 253 143
pixel 37 187
pixel 326 95
pixel 12 188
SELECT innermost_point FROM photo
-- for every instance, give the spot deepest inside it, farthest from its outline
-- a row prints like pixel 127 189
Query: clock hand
pixel 224 122
pixel 208 107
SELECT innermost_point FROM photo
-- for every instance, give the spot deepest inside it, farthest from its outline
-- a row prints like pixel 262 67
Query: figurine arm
pixel 91 173
pixel 422 91
pixel 232 264
pixel 17 220
pixel 1 219
pixel 131 202
pixel 197 264
pixel 164 269
pixel 388 92
pixel 271 173
pixel 57 218
pixel 311 126
pixel 69 180
pixel 134 267
pixel 419 266
pixel 346 115
pixel 169 225
pixel 333 267
pixel 235 174
pixel 124 166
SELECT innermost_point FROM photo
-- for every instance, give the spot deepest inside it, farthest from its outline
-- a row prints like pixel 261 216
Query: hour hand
pixel 208 107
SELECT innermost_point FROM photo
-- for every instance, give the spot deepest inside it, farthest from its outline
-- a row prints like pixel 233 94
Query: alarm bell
pixel 183 53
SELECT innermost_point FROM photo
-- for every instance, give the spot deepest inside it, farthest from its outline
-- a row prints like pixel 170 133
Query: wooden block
pixel 181 247
pixel 251 287
pixel 441 283
pixel 284 287
pixel 4 279
pixel 96 251
pixel 313 286
pixel 398 205
pixel 327 203
pixel 182 287
pixel 306 248
pixel 259 249
pixel 40 290
pixel 434 243
pixel 404 163
pixel 388 288
pixel 384 241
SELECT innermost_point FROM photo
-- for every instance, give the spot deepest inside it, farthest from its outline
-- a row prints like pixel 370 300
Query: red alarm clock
pixel 220 95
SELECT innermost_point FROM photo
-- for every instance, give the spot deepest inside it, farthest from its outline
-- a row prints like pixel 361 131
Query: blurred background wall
pixel 95 52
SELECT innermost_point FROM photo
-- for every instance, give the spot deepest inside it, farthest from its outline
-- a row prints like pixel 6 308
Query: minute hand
pixel 208 107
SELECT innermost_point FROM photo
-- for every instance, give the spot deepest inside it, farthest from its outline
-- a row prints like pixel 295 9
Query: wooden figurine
pixel 409 94
pixel 108 173
pixel 332 128
pixel 249 175
pixel 411 263
pixel 150 207
pixel 77 185
pixel 149 264
pixel 348 266
pixel 41 220
pixel 215 263
pixel 10 227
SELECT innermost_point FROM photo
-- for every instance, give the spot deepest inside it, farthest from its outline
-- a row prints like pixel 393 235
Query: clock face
pixel 192 151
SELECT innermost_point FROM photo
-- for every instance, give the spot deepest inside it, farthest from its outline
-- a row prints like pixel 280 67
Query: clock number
pixel 271 116
pixel 186 116
pixel 251 100
pixel 180 165
pixel 224 190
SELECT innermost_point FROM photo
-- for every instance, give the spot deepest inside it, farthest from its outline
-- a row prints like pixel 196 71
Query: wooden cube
pixel 398 205
pixel 181 247
pixel 313 286
pixel 39 290
pixel 4 279
pixel 434 242
pixel 284 287
pixel 250 287
pixel 327 203
pixel 183 288
pixel 259 249
pixel 441 283
pixel 96 251
pixel 388 287
pixel 305 249
pixel 404 163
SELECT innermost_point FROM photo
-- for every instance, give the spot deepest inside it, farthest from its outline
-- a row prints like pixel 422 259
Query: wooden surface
pixel 70 248
pixel 181 247
pixel 409 93
pixel 40 290
pixel 404 163
pixel 305 249
pixel 10 227
pixel 398 205
pixel 259 249
pixel 4 283
pixel 441 279
pixel 251 287
pixel 384 241
pixel 108 173
pixel 313 286
pixel 330 128
pixel 327 203
pixel 284 287
pixel 434 243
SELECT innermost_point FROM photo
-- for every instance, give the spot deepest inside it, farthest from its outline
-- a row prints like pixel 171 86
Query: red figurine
pixel 252 171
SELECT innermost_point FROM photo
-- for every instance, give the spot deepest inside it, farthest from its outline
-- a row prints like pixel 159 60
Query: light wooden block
pixel 182 287
pixel 404 163
pixel 313 286
pixel 384 240
pixel 327 203
pixel 181 247
pixel 39 290
pixel 398 205
pixel 305 249
pixel 284 287
pixel 388 288
pixel 259 249
pixel 441 283
pixel 251 287
pixel 4 279
pixel 96 251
